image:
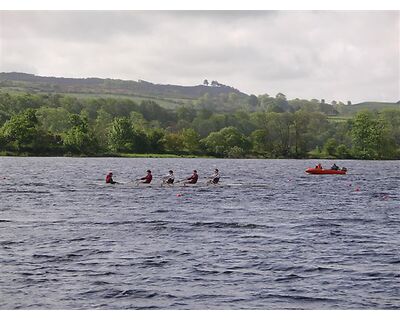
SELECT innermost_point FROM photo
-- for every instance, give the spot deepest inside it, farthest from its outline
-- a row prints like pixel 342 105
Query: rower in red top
pixel 147 178
pixel 193 179
pixel 109 178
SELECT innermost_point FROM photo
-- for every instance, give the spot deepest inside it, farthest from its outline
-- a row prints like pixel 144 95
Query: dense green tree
pixel 204 126
pixel 367 134
pixel 317 130
pixel 55 120
pixel 21 130
pixel 391 118
pixel 279 129
pixel 342 151
pixel 80 139
pixel 101 127
pixel 259 119
pixel 140 141
pixel 152 111
pixel 273 106
pixel 204 113
pixel 242 121
pixel 6 107
pixel 71 104
pixel 253 100
pixel 155 140
pixel 138 120
pixel 281 103
pixel 264 101
pixel 220 143
pixel 190 140
pixel 121 135
pixel 173 142
pixel 341 132
pixel 300 123
pixel 4 116
pixel 187 113
pixel 261 142
pixel 330 147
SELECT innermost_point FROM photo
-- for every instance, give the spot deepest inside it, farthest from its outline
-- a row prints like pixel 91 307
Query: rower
pixel 215 177
pixel 169 179
pixel 193 178
pixel 147 178
pixel 109 178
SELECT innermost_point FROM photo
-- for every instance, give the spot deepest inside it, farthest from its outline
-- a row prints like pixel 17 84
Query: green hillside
pixel 370 105
pixel 142 89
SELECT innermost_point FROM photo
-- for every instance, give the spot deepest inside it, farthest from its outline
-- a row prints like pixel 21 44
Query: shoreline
pixel 106 155
pixel 170 156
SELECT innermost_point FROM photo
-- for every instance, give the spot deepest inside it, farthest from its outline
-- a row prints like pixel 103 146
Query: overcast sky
pixel 335 55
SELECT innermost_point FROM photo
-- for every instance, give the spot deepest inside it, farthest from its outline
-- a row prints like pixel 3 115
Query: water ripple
pixel 269 237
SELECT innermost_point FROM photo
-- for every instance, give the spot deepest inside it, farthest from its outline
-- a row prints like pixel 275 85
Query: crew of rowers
pixel 170 178
pixel 334 167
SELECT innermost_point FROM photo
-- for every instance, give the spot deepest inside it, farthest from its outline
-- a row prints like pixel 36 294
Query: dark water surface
pixel 270 237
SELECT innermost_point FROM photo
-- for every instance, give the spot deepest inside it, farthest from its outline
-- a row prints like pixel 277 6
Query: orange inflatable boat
pixel 325 171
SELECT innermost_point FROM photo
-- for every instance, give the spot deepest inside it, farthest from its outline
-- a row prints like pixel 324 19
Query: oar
pixel 122 182
pixel 180 181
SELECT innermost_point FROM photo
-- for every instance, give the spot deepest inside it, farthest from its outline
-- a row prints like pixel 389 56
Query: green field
pixel 353 109
pixel 163 102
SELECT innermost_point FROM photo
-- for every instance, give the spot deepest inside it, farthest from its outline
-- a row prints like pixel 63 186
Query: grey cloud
pixel 339 55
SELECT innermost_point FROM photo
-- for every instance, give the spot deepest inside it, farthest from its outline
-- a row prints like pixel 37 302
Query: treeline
pixel 270 127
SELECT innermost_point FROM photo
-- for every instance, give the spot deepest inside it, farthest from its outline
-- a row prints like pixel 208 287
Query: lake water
pixel 270 237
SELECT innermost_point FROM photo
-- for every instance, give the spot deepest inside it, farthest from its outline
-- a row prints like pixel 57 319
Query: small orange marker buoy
pixel 357 189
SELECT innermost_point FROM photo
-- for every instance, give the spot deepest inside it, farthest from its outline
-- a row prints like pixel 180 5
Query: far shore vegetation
pixel 102 155
pixel 223 126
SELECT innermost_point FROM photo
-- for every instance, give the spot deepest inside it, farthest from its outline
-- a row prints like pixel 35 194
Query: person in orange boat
pixel 335 167
pixel 318 166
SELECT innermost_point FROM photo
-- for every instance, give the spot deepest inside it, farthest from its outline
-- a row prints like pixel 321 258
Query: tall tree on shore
pixel 21 130
pixel 121 135
pixel 367 134
pixel 80 138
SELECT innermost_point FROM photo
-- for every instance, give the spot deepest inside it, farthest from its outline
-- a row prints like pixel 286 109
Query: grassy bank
pixel 157 155
pixel 101 155
pixel 314 154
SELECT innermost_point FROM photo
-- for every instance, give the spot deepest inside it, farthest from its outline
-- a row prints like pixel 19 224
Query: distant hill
pixel 37 84
pixel 166 95
pixel 370 105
